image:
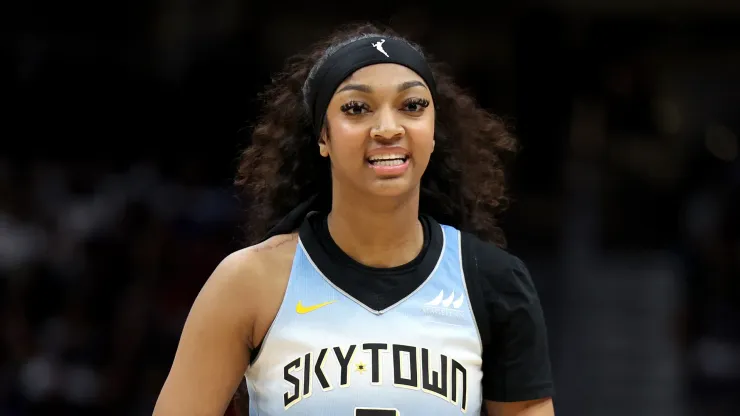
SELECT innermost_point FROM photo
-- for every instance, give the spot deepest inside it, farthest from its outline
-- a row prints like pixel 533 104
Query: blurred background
pixel 126 119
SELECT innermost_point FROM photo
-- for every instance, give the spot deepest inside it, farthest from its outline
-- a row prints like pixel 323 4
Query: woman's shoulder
pixel 499 279
pixel 489 259
pixel 248 266
pixel 272 252
pixel 251 283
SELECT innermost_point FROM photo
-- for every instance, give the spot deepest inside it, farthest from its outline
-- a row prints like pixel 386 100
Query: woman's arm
pixel 213 352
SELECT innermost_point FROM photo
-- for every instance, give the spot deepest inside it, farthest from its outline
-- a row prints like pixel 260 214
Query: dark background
pixel 124 121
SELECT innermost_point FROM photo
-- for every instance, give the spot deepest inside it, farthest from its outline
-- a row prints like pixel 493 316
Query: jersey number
pixel 365 411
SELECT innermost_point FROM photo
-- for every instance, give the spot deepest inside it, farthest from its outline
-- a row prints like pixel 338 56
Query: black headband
pixel 355 55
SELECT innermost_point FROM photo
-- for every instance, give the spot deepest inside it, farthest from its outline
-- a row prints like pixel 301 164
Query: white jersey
pixel 327 353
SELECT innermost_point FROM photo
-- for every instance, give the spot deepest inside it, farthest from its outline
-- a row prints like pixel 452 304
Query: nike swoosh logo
pixel 306 309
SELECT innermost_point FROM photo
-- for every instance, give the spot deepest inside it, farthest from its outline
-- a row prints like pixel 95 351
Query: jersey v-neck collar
pixel 376 289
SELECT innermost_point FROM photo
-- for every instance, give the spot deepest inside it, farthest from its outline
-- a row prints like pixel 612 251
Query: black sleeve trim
pixel 516 363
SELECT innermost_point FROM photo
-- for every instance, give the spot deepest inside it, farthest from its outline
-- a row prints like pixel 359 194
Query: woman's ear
pixel 324 143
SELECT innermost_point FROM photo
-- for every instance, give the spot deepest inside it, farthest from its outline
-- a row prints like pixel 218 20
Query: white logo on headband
pixel 379 46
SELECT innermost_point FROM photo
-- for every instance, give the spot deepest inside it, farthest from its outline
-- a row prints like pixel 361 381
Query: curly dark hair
pixel 463 186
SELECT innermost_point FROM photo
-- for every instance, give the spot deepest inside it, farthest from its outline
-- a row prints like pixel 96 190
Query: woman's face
pixel 379 133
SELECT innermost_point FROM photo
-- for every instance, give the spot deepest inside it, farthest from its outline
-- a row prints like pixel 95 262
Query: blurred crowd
pixel 98 268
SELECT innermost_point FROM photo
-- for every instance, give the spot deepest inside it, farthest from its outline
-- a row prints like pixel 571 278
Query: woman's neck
pixel 381 234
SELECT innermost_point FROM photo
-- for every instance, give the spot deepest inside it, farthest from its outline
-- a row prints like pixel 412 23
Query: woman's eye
pixel 415 105
pixel 354 108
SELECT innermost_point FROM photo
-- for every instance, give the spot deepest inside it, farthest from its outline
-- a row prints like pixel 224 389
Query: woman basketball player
pixel 359 302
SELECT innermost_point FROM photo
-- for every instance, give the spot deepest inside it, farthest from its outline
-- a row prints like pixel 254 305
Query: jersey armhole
pixel 254 353
pixel 472 278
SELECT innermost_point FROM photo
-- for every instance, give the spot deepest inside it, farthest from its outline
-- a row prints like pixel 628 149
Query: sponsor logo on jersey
pixel 448 307
pixel 299 308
